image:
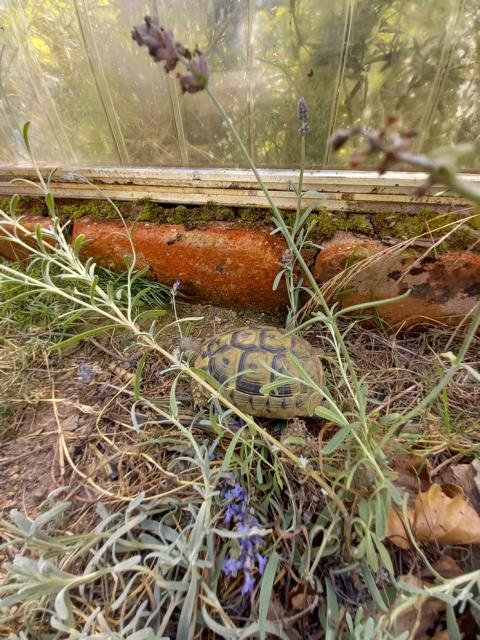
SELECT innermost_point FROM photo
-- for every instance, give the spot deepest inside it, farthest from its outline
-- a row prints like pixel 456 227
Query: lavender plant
pixel 85 295
pixel 300 230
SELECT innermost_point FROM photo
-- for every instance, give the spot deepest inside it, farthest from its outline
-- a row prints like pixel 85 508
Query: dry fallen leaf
pixel 447 567
pixel 396 531
pixel 301 596
pixel 465 475
pixel 277 613
pixel 442 513
pixel 413 473
pixel 476 467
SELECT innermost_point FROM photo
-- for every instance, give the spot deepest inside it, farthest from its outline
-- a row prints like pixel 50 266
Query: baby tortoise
pixel 246 350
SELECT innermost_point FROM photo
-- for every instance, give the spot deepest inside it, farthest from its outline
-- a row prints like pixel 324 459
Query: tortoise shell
pixel 236 360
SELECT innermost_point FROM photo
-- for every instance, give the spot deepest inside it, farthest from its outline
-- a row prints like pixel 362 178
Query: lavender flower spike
pixel 197 79
pixel 302 110
pixel 160 43
pixel 303 116
pixel 163 47
pixel 250 543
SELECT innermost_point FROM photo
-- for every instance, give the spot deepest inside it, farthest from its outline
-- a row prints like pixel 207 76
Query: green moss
pixel 325 224
pixel 328 223
pixel 359 223
pixel 4 203
pixel 143 201
pixel 247 214
pixel 227 214
pixel 261 216
pixel 393 224
pixel 150 214
pixel 95 208
pixel 150 211
pixel 404 225
pixel 463 238
pixel 475 222
pixel 27 205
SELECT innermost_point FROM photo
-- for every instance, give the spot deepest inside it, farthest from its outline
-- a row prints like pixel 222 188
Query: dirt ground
pixel 67 407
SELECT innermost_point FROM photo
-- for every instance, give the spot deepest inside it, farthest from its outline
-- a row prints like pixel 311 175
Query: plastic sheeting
pixel 95 98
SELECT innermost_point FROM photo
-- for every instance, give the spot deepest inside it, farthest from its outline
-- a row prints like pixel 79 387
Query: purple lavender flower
pixel 244 520
pixel 176 286
pixel 302 110
pixel 303 117
pixel 163 47
pixel 197 79
pixel 237 492
pixel 160 43
pixel 248 584
pixel 86 373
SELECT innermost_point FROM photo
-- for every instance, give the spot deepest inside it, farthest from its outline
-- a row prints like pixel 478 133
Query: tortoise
pixel 248 349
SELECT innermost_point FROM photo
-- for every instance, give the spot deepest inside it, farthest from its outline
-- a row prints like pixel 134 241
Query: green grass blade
pixel 266 589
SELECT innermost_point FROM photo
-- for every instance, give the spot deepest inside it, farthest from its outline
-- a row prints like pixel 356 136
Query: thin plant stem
pixel 300 184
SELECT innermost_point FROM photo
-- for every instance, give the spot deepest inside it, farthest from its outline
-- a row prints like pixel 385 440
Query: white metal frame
pixel 340 191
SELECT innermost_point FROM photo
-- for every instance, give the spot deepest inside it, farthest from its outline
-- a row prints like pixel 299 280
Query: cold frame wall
pixel 94 98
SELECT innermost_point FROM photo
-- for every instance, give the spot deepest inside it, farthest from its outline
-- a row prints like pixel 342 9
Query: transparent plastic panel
pixel 95 98
pixel 133 90
pixel 297 51
pixel 220 28
pixel 392 63
pixel 22 94
pixel 456 114
pixel 64 60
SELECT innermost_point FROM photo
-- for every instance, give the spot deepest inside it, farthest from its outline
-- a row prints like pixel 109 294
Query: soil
pixel 33 464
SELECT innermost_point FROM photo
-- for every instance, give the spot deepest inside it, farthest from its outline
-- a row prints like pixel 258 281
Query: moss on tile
pixel 27 205
pixel 359 223
pixel 94 208
pixel 326 224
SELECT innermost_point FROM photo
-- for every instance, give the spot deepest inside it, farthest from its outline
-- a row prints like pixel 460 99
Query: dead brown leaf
pixel 276 612
pixel 447 567
pixel 396 531
pixel 442 514
pixel 413 473
pixel 301 596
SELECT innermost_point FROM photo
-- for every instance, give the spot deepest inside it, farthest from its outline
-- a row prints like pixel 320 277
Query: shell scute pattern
pixel 237 360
